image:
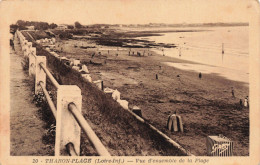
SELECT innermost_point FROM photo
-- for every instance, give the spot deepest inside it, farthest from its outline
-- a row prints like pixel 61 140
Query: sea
pixel 220 50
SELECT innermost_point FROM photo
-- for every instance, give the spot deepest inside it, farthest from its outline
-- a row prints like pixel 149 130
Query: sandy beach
pixel 206 105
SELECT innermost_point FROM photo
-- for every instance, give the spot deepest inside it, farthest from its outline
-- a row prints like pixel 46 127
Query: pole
pixel 222 48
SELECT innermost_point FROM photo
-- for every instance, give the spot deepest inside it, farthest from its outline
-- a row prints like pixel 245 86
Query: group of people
pixel 246 100
pixel 138 53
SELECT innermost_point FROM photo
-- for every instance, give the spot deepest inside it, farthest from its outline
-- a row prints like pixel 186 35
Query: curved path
pixel 25 126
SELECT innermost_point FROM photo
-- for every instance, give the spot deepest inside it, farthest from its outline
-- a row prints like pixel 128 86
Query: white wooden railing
pixel 67 113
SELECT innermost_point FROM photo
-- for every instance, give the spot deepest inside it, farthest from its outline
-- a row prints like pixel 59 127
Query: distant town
pixel 31 25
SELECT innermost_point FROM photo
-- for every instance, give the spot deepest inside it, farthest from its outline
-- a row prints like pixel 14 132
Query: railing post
pixel 29 45
pixel 67 128
pixel 28 48
pixel 25 48
pixel 22 43
pixel 40 75
pixel 32 58
pixel 20 37
pixel 99 84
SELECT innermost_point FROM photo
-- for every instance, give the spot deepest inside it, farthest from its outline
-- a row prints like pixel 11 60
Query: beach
pixel 205 104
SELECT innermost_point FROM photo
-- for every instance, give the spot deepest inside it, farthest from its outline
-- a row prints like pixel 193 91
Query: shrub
pixel 65 35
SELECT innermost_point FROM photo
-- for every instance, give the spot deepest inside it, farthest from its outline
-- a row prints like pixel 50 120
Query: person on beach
pixel 240 102
pixel 232 92
pixel 163 52
pixel 93 55
pixel 129 53
pixel 12 44
pixel 200 75
pixel 246 102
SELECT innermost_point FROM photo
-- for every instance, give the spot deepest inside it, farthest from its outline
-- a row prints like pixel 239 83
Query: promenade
pixel 26 126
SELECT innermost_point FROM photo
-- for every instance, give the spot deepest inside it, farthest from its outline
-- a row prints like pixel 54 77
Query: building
pixel 62 27
pixel 30 27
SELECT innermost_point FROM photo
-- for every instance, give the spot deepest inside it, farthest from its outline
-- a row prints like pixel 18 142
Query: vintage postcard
pixel 129 82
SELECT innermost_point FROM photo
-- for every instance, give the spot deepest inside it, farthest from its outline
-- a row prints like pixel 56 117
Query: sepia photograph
pixel 130 79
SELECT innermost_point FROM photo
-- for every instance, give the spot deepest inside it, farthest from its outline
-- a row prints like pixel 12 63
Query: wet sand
pixel 206 47
pixel 231 74
pixel 206 105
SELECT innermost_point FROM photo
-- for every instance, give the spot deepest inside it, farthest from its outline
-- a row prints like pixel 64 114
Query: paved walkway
pixel 26 127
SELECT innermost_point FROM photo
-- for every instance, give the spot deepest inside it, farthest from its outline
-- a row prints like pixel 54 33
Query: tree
pixel 70 27
pixel 21 23
pixel 13 26
pixel 37 25
pixel 53 26
pixel 65 35
pixel 41 25
pixel 78 25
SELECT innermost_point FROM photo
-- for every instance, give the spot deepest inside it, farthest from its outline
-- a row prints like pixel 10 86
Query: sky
pixel 128 11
